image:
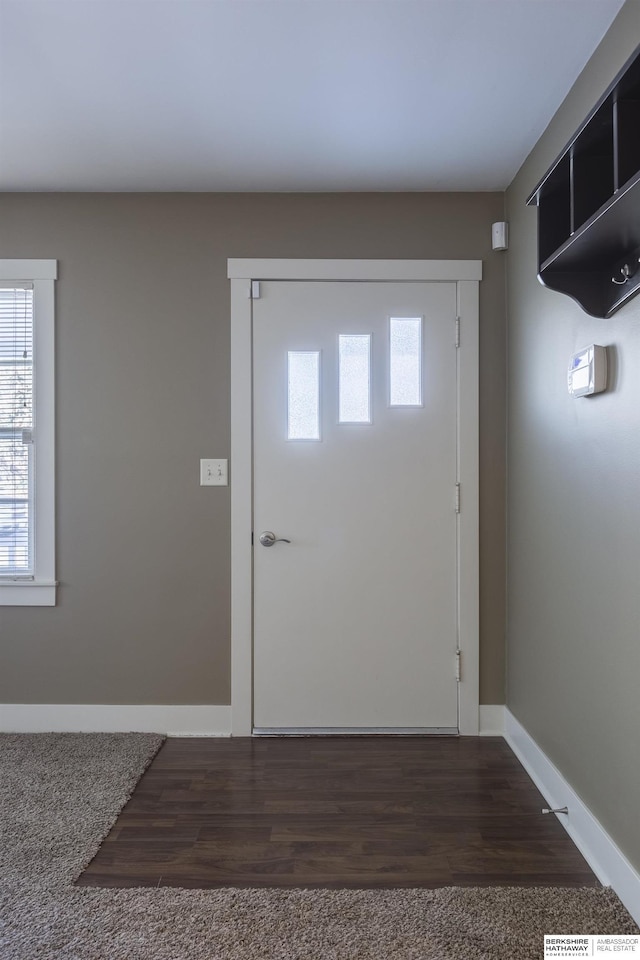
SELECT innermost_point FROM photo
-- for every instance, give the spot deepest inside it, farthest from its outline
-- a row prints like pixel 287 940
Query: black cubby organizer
pixel 589 204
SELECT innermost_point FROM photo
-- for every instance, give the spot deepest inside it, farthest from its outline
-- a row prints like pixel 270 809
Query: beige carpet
pixel 59 795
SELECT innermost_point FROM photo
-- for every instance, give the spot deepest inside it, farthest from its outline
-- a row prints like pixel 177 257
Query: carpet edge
pixel 157 741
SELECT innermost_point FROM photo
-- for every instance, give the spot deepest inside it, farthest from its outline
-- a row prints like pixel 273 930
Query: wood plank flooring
pixel 336 812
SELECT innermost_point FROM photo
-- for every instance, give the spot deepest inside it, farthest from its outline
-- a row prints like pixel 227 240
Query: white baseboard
pixel 172 720
pixel 492 720
pixel 601 853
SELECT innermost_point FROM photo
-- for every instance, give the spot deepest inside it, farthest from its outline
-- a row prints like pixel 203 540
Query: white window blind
pixel 16 430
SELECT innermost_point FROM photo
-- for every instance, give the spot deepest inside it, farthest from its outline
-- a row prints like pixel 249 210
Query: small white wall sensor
pixel 587 373
pixel 500 235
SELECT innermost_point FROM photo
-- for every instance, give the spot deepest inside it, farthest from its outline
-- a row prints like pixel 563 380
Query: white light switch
pixel 213 473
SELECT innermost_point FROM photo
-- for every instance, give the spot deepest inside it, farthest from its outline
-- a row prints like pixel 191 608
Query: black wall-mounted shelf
pixel 589 204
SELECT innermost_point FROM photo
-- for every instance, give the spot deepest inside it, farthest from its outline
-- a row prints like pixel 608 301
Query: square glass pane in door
pixel 405 361
pixel 354 378
pixel 303 414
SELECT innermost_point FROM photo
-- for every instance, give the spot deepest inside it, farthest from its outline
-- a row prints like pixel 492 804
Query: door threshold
pixel 355 731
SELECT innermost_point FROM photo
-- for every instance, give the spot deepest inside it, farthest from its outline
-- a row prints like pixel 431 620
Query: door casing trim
pixel 466 274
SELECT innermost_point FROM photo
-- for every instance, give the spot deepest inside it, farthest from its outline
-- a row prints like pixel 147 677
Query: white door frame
pixel 466 274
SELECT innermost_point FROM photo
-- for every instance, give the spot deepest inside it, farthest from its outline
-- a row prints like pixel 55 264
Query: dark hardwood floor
pixel 336 812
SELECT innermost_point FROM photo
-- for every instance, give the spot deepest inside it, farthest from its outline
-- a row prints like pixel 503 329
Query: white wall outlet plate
pixel 214 473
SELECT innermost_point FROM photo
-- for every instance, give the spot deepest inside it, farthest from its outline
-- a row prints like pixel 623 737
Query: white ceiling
pixel 280 95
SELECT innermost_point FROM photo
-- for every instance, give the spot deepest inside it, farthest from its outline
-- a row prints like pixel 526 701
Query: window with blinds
pixel 16 430
pixel 27 433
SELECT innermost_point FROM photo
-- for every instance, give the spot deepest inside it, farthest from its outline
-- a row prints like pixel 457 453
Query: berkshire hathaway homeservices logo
pixel 592 946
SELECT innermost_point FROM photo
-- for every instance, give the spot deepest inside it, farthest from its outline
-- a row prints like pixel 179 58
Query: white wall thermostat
pixel 587 372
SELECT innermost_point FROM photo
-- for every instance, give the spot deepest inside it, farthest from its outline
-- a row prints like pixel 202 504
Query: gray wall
pixel 143 393
pixel 574 506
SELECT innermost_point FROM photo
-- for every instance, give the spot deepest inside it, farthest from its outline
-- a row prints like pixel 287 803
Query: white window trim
pixel 41 590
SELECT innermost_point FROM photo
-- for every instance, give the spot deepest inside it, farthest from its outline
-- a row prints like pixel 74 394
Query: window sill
pixel 28 593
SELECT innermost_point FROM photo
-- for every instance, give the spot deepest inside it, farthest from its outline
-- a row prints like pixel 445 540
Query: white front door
pixel 355 463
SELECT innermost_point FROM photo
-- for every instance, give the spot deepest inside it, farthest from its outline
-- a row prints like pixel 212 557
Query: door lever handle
pixel 267 539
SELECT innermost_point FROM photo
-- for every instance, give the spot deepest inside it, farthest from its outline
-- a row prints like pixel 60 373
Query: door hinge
pixel 458 666
pixel 457 331
pixel 254 290
pixel 457 498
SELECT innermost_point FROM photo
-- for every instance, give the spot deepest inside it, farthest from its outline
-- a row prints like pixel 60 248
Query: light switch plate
pixel 214 473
